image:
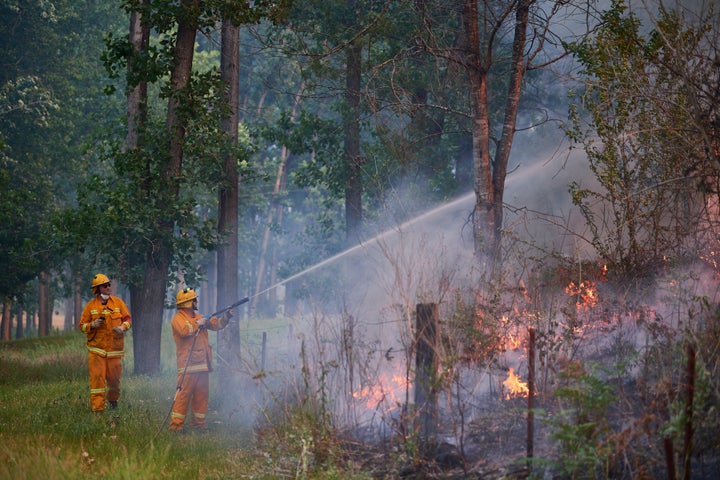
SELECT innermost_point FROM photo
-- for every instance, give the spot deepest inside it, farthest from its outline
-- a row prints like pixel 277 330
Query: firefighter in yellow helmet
pixel 190 333
pixel 104 321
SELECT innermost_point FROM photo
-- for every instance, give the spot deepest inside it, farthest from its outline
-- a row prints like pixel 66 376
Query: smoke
pixel 351 335
pixel 353 328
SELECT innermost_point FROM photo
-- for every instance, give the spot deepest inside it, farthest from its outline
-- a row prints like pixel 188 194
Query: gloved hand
pixel 97 322
pixel 201 322
pixel 228 314
pixel 119 330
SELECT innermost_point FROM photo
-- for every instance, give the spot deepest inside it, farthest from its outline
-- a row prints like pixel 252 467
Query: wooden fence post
pixel 426 365
pixel 531 395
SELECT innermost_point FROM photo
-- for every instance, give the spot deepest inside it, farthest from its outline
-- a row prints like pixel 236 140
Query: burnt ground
pixel 495 447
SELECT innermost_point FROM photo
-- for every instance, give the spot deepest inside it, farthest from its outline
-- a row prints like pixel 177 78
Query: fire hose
pixel 187 362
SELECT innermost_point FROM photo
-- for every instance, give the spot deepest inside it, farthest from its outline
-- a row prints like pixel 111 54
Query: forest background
pixel 123 148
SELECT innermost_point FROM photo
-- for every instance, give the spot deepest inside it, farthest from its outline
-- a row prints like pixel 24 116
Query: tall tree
pixel 485 24
pixel 147 310
pixel 227 254
pixel 6 323
pixel 160 189
pixel 334 35
pixel 274 217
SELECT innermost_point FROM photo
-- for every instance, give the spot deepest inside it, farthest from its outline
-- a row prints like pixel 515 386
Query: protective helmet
pixel 185 297
pixel 99 279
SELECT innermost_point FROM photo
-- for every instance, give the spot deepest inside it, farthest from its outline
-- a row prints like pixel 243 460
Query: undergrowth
pixel 48 431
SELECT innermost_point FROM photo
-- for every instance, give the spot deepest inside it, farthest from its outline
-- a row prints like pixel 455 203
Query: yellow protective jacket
pixel 184 328
pixel 103 340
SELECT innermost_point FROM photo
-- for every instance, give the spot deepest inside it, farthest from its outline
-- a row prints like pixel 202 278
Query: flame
pixel 516 388
pixel 389 389
pixel 512 342
pixel 585 294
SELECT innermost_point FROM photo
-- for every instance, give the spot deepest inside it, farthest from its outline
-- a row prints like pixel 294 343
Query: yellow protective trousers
pixel 194 392
pixel 105 373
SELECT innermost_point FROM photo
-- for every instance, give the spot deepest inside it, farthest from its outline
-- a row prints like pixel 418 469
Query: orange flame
pixel 515 387
pixel 388 389
pixel 585 294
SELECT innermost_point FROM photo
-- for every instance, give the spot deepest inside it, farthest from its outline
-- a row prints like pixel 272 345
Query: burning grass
pixel 611 388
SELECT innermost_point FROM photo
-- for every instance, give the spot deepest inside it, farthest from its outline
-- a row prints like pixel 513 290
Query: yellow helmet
pixel 185 297
pixel 97 280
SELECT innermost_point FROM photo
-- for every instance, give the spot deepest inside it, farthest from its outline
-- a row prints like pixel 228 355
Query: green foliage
pixel 583 427
pixel 134 198
pixel 23 210
pixel 643 139
pixel 50 105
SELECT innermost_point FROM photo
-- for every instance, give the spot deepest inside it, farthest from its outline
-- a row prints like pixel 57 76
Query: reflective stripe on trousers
pixel 194 393
pixel 105 376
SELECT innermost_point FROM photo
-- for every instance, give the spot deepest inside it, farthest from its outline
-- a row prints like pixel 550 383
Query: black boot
pixel 113 404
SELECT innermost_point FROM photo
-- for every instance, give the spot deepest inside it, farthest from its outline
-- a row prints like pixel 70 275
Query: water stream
pixel 374 240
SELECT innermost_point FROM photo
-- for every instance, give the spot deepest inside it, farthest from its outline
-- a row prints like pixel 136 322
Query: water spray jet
pixel 371 241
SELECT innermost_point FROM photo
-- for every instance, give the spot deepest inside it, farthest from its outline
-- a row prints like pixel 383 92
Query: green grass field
pixel 48 432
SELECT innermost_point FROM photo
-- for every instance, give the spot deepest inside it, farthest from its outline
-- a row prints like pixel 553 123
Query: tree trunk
pixel 227 254
pixel 69 314
pixel 351 120
pixel 146 309
pixel 147 298
pixel 490 177
pixel 512 104
pixel 7 319
pixel 19 331
pixel 30 321
pixel 44 305
pixel 483 219
pixel 77 299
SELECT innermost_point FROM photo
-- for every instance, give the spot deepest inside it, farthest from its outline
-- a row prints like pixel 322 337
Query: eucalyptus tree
pixel 159 202
pixel 227 254
pixel 510 39
pixel 652 99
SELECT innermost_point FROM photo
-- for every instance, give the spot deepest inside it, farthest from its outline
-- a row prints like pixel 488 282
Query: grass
pixel 48 431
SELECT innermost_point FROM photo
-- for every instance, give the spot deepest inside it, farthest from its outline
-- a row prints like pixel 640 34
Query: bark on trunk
pixel 44 305
pixel 77 300
pixel 69 314
pixel 483 219
pixel 19 325
pixel 227 254
pixel 146 304
pixel 6 319
pixel 147 299
pixel 508 132
pixel 490 174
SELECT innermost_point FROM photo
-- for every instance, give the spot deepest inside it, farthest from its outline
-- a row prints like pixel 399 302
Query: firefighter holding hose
pixel 104 321
pixel 194 359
